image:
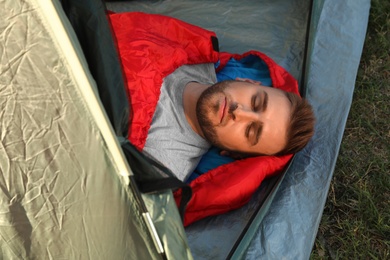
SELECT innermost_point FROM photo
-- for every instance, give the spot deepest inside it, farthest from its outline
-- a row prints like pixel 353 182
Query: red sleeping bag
pixel 150 48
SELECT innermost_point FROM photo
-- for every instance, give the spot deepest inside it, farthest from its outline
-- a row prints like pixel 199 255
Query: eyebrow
pixel 265 102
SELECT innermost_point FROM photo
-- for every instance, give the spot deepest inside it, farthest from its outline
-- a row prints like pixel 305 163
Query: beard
pixel 206 107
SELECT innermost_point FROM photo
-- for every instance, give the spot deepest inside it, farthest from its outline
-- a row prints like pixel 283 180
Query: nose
pixel 245 114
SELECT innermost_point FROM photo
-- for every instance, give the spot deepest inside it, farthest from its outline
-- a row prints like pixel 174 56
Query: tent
pixel 67 187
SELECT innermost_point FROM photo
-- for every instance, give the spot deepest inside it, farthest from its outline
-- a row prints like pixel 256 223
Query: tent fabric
pixel 64 180
pixel 51 199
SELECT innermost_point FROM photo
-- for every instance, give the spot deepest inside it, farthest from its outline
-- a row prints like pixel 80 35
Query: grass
pixel 356 219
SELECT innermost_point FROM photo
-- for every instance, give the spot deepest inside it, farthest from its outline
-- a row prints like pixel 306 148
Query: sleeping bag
pixel 150 48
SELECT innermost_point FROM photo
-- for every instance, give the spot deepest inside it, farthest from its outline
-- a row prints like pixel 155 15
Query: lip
pixel 223 110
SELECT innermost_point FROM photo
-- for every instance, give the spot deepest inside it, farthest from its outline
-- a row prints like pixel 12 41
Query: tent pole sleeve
pixel 148 220
pixel 302 81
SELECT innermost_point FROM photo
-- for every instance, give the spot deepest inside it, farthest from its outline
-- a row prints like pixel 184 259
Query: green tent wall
pixel 64 181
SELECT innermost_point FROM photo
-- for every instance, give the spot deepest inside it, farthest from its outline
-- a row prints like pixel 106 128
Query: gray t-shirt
pixel 171 140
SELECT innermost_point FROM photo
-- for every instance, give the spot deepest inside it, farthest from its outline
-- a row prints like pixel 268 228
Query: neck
pixel 191 94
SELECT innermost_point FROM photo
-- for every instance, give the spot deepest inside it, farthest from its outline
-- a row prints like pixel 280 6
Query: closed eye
pixel 249 130
pixel 253 132
pixel 259 102
pixel 255 102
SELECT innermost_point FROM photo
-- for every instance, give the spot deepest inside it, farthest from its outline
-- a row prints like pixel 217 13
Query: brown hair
pixel 301 126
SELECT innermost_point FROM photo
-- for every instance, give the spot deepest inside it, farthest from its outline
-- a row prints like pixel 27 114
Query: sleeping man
pixel 178 110
pixel 241 117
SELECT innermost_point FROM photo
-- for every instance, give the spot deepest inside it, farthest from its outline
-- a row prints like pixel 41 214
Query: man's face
pixel 245 117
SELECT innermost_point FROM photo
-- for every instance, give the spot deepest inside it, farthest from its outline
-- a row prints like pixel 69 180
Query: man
pixel 167 121
pixel 241 117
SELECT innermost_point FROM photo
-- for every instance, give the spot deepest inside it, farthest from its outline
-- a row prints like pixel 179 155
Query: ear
pixel 249 80
pixel 234 155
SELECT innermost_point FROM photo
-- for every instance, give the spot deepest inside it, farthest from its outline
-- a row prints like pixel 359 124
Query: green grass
pixel 356 219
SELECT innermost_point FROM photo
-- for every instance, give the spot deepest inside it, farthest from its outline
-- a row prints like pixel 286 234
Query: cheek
pixel 230 136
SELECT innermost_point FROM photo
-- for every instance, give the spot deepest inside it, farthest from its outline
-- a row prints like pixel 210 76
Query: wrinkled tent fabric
pixel 64 190
pixel 64 180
